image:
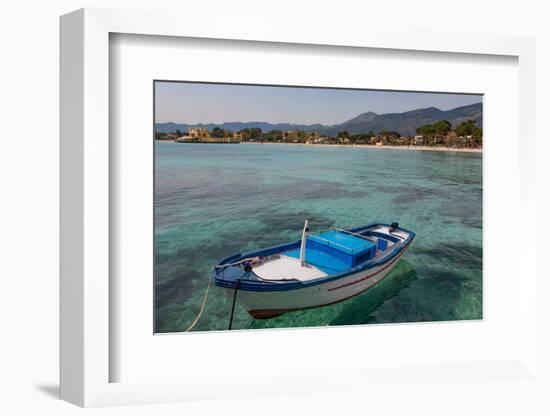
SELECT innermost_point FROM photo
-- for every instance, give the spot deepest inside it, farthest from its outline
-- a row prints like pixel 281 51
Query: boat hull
pixel 268 304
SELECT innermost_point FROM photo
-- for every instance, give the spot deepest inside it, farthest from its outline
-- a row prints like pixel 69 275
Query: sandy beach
pixel 421 148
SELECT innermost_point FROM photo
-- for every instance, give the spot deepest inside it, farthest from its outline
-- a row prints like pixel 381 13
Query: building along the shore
pixel 202 135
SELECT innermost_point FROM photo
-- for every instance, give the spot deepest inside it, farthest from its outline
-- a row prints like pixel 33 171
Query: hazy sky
pixel 216 103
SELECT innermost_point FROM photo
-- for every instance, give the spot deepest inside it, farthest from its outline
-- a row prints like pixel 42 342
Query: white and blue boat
pixel 315 271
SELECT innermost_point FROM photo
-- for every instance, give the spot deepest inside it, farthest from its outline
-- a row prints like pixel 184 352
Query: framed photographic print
pixel 296 196
pixel 238 203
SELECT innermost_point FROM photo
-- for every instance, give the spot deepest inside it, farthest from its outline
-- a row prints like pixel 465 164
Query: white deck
pixel 285 267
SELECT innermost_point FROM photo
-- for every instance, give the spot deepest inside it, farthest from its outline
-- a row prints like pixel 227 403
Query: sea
pixel 215 200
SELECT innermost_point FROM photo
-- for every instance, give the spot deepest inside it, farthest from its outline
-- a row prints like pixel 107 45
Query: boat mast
pixel 303 246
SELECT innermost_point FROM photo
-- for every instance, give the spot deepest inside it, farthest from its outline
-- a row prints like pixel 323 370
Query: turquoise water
pixel 214 200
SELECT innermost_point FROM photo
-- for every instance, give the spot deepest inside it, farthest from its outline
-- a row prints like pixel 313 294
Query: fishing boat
pixel 318 270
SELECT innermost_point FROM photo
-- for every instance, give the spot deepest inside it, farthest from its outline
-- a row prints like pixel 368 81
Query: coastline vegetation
pixel 465 135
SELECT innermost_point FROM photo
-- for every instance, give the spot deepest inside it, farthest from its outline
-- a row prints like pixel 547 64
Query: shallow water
pixel 214 200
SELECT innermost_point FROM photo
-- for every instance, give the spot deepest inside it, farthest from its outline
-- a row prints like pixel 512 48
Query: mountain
pixel 360 119
pixel 404 123
pixel 171 127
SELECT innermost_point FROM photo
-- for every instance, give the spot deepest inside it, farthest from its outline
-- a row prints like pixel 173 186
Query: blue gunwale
pixel 261 286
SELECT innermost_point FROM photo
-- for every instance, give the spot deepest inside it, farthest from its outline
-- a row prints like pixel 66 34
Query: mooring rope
pixel 233 305
pixel 202 307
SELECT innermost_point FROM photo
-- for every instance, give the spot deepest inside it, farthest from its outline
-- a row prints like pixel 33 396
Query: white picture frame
pixel 85 208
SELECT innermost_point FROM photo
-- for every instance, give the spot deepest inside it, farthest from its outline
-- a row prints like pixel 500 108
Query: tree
pixel 251 133
pixel 217 132
pixel 179 133
pixel 441 127
pixel 360 138
pixel 468 128
pixel 255 132
pixel 426 130
pixel 478 133
pixel 389 133
pixel 300 135
pixel 272 136
pixel 472 134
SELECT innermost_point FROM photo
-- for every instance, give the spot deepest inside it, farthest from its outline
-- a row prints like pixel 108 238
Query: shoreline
pixel 368 146
pixel 365 146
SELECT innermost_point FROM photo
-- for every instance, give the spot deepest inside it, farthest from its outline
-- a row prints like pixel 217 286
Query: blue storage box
pixel 382 244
